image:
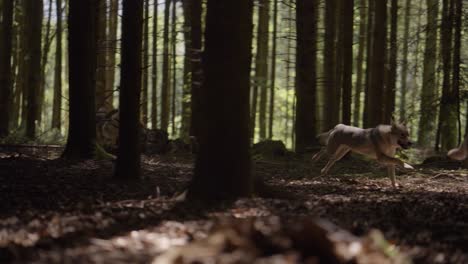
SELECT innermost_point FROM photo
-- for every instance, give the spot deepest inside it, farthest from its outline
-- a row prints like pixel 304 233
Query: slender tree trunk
pixel 347 31
pixel 457 31
pixel 196 68
pixel 57 101
pixel 306 87
pixel 145 66
pixel 154 74
pixel 390 87
pixel 289 37
pixel 14 102
pixel 18 101
pixel 226 104
pixel 6 87
pixel 273 69
pixel 45 56
pixel 378 61
pixel 174 68
pixel 404 66
pixel 82 45
pixel 111 50
pixel 261 64
pixel 339 52
pixel 165 82
pixel 331 92
pixel 128 158
pixel 360 64
pixel 33 12
pixel 101 50
pixel 370 29
pixel 427 121
pixel 185 123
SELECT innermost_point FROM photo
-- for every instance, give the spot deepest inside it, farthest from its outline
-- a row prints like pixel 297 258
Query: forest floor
pixel 54 211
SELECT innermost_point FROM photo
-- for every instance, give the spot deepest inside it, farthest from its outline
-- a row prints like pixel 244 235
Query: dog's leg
pixel 386 160
pixel 340 153
pixel 318 155
pixel 391 174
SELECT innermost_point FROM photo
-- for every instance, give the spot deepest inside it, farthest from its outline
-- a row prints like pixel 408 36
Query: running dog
pixel 379 143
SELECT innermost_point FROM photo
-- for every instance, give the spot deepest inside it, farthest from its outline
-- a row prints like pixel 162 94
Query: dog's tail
pixel 459 153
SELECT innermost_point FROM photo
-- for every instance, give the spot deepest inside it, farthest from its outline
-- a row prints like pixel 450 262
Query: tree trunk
pixel 376 89
pixel 111 50
pixel 82 45
pixel 128 158
pixel 195 67
pixel 390 87
pixel 165 82
pixel 223 170
pixel 154 73
pixel 347 31
pixel 101 22
pixel 370 29
pixel 57 101
pixel 6 89
pixel 261 64
pixel 289 47
pixel 427 121
pixel 145 67
pixel 360 64
pixel 273 69
pixel 457 31
pixel 331 91
pixel 45 56
pixel 447 115
pixel 33 29
pixel 174 68
pixel 185 123
pixel 404 66
pixel 306 91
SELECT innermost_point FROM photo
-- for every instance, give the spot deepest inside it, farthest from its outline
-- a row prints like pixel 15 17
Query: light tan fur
pixel 380 143
pixel 459 153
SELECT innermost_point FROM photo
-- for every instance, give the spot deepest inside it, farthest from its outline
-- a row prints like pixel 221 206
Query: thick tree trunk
pixel 390 87
pixel 145 67
pixel 6 87
pixel 165 82
pixel 33 29
pixel 128 158
pixel 347 31
pixel 111 51
pixel 306 91
pixel 360 64
pixel 154 68
pixel 376 89
pixel 404 66
pixel 101 22
pixel 427 121
pixel 57 100
pixel 195 67
pixel 273 70
pixel 370 29
pixel 331 91
pixel 261 64
pixel 45 56
pixel 82 45
pixel 223 170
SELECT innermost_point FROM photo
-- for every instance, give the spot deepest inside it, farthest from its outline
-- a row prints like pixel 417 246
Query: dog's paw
pixel 407 166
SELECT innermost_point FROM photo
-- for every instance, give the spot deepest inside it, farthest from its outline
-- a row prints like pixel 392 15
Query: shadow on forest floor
pixel 54 211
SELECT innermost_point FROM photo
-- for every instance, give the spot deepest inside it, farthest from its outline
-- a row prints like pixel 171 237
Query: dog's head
pixel 401 134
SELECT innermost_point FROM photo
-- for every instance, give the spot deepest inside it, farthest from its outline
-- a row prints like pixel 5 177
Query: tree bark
pixel 360 64
pixel 306 91
pixel 273 69
pixel 404 66
pixel 145 66
pixel 331 91
pixel 57 100
pixel 154 73
pixel 195 67
pixel 370 29
pixel 376 107
pixel 165 82
pixel 223 170
pixel 173 95
pixel 33 29
pixel 347 31
pixel 427 121
pixel 111 50
pixel 6 89
pixel 82 45
pixel 101 22
pixel 390 87
pixel 128 158
pixel 185 122
pixel 45 56
pixel 261 64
